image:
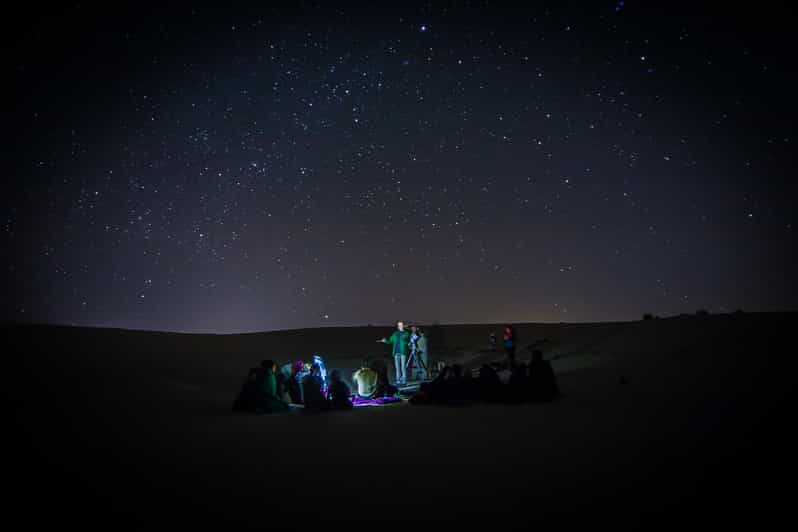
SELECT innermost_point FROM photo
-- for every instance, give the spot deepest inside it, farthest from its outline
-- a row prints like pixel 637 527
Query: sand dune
pixel 135 429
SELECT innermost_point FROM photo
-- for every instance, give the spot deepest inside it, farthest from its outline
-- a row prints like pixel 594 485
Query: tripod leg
pixel 412 358
pixel 424 367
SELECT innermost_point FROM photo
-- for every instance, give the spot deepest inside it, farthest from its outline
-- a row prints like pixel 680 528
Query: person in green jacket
pixel 399 341
pixel 269 397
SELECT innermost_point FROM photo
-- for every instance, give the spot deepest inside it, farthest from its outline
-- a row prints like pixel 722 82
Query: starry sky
pixel 315 164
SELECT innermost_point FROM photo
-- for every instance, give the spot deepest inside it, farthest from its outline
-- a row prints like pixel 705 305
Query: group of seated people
pixel 534 382
pixel 269 391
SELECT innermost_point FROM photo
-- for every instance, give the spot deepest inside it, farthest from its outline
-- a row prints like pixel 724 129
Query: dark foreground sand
pixel 127 429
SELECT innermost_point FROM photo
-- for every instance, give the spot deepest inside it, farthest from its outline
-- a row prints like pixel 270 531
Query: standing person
pixel 423 353
pixel 510 341
pixel 399 341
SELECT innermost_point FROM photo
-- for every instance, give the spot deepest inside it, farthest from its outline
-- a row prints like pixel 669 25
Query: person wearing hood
pixel 268 395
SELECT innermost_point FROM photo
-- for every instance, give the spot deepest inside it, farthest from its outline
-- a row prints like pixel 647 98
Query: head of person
pixel 315 369
pixel 297 367
pixel 269 364
pixel 400 325
pixel 537 355
pixel 335 376
pixel 457 371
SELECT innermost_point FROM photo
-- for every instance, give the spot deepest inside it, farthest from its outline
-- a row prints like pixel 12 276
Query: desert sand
pixel 680 420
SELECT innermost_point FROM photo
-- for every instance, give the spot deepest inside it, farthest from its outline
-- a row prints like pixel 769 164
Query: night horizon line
pixel 644 317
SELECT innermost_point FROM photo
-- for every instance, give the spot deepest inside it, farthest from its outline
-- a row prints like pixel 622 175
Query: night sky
pixel 189 169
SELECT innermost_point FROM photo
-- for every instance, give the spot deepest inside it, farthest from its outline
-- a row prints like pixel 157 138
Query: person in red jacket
pixel 510 342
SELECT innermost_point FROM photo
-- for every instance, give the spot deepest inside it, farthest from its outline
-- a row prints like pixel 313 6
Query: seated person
pixel 455 387
pixel 300 371
pixel 517 390
pixel 384 386
pixel 339 394
pixel 448 387
pixel 282 385
pixel 488 385
pixel 443 374
pixel 247 397
pixel 292 383
pixel 366 380
pixel 268 399
pixel 311 390
pixel 285 369
pixel 542 383
pixel 468 385
pixel 317 360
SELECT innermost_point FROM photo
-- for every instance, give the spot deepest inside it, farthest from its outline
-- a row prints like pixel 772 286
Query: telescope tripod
pixel 414 358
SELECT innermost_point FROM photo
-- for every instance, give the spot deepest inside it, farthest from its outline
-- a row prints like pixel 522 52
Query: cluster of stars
pixel 312 174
